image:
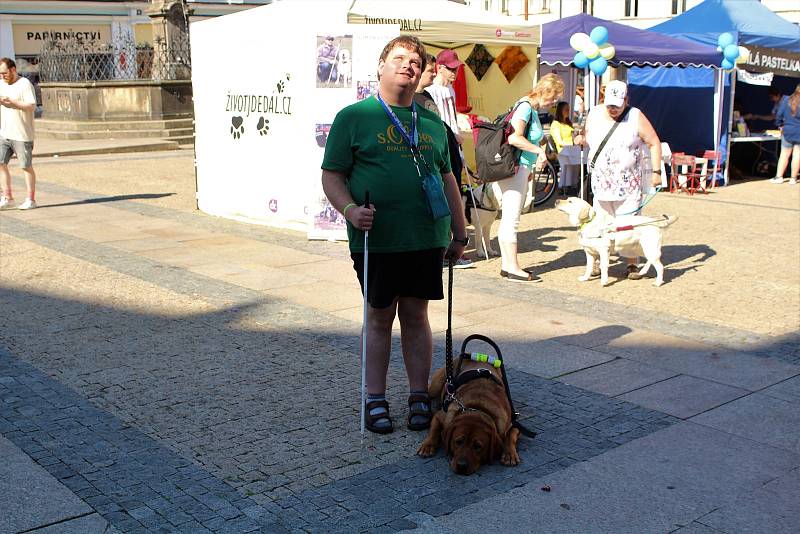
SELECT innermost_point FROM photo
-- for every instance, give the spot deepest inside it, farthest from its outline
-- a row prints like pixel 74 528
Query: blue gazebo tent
pixel 677 100
pixel 748 20
pixel 634 47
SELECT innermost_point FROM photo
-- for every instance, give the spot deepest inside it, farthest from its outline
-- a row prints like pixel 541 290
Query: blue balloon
pixel 598 65
pixel 726 64
pixel 580 60
pixel 725 39
pixel 599 35
pixel 731 52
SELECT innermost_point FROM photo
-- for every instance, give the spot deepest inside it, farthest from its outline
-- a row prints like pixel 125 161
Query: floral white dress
pixel 618 172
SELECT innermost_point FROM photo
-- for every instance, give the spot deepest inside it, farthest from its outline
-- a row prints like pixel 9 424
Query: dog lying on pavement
pixel 601 235
pixel 477 426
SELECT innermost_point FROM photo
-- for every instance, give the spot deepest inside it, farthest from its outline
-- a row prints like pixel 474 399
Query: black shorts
pixel 415 274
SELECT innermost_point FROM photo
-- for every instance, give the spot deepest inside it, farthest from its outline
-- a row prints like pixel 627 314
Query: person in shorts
pixel 365 152
pixel 17 104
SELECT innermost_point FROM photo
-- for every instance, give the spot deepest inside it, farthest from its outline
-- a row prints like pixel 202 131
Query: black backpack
pixel 494 157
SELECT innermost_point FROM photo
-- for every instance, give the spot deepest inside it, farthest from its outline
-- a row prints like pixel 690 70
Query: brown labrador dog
pixel 476 429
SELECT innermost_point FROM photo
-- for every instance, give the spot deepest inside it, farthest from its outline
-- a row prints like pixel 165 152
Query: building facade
pixel 26 25
pixel 638 13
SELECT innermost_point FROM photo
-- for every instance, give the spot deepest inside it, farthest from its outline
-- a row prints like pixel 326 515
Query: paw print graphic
pixel 262 126
pixel 288 77
pixel 281 86
pixel 237 128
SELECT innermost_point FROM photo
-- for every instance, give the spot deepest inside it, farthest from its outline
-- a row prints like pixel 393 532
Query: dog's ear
pixel 496 447
pixel 585 214
pixel 447 433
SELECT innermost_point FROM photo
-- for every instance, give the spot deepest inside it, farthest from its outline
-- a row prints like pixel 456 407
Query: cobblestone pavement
pixel 184 373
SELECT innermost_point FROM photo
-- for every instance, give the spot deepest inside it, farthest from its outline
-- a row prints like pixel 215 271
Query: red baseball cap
pixel 448 58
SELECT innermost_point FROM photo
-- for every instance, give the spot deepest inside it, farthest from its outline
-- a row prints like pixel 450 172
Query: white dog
pixel 601 235
pixel 482 216
pixel 344 68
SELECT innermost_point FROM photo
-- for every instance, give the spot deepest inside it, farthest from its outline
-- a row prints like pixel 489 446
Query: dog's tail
pixel 665 221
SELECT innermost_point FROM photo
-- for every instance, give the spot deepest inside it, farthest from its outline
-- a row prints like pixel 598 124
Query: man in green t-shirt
pixel 365 152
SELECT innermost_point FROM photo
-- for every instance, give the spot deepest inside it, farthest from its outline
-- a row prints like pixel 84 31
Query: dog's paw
pixel 658 283
pixel 605 282
pixel 510 458
pixel 426 450
pixel 584 278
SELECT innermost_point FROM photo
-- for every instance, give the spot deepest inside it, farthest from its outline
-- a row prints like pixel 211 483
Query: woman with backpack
pixel 788 118
pixel 527 134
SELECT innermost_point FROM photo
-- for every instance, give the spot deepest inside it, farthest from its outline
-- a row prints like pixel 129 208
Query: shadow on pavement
pixel 115 198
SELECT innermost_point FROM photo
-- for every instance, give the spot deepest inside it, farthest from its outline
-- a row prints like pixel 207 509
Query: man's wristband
pixel 344 211
pixel 464 241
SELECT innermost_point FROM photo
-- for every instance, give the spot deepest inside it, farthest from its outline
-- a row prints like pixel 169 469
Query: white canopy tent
pixel 261 114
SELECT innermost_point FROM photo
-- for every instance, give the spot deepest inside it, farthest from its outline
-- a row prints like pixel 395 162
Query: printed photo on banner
pixel 366 89
pixel 322 131
pixel 327 219
pixel 334 61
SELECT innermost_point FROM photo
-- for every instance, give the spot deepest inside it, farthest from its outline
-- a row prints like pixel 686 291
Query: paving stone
pixel 774 507
pixel 760 418
pixel 46 501
pixel 617 377
pixel 683 396
pixel 549 359
pixel 788 390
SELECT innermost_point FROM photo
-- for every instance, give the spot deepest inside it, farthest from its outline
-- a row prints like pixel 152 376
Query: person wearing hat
pixel 326 60
pixel 441 90
pixel 620 170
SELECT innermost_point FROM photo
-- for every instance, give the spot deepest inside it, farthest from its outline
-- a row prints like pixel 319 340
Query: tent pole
pixel 730 126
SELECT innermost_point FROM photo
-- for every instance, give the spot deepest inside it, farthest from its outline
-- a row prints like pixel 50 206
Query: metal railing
pixel 80 61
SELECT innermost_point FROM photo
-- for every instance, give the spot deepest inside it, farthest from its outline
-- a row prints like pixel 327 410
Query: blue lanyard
pixel 413 139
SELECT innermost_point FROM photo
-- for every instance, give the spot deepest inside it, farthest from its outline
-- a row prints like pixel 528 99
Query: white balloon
pixel 608 51
pixel 744 55
pixel 579 40
pixel 591 50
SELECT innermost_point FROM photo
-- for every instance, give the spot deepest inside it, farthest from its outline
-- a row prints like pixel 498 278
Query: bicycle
pixel 542 187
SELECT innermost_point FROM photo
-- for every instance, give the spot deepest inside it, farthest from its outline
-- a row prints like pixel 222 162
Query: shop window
pixel 631 8
pixel 587 6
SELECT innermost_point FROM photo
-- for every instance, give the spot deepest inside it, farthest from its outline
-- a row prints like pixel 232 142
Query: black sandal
pixel 419 406
pixel 633 272
pixel 370 420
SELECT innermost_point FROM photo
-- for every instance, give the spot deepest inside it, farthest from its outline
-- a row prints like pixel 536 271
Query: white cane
pixel 364 326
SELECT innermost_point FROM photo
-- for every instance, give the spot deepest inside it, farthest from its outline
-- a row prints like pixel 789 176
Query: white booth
pixel 263 110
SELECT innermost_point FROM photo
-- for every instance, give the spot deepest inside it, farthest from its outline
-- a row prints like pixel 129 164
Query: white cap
pixel 616 91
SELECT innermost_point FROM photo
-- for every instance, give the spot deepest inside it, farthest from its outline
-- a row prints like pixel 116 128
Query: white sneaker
pixel 776 180
pixel 793 181
pixel 463 263
pixel 6 203
pixel 27 205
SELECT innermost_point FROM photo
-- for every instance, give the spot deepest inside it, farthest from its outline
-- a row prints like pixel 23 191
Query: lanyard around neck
pixel 411 139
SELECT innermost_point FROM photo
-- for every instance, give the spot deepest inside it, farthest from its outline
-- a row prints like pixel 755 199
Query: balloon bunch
pixel 594 50
pixel 731 52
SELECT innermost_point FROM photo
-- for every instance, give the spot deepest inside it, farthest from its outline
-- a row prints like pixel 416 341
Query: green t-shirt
pixel 365 146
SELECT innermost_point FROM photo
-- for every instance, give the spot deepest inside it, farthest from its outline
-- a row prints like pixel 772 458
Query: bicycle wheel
pixel 542 186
